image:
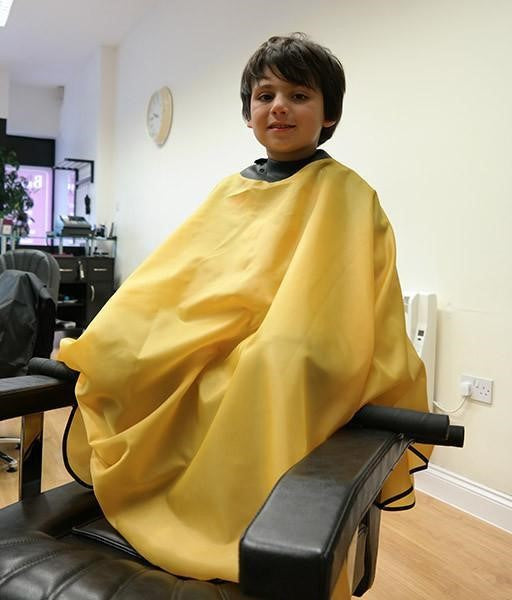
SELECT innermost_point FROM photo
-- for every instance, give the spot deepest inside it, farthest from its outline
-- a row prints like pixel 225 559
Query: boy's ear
pixel 249 123
pixel 329 123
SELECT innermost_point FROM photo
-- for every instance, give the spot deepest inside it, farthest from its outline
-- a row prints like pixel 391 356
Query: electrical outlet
pixel 481 389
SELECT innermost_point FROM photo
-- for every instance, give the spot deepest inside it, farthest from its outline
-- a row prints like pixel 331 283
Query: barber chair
pixel 322 514
pixel 33 334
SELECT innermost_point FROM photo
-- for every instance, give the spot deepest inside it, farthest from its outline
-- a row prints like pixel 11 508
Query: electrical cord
pixel 466 388
pixel 450 411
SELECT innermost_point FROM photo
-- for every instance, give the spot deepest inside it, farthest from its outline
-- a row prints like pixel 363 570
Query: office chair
pixel 23 340
pixel 321 515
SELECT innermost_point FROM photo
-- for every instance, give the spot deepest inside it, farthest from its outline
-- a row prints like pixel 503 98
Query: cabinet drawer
pixel 100 269
pixel 70 270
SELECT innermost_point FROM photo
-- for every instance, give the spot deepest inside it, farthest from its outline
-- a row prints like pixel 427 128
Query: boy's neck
pixel 302 159
pixel 270 170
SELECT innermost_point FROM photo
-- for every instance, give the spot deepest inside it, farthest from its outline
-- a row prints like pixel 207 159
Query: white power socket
pixel 481 389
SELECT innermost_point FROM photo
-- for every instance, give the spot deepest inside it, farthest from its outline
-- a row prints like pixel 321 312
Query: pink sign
pixel 40 190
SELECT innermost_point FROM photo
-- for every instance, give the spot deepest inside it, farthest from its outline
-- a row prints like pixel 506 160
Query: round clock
pixel 159 115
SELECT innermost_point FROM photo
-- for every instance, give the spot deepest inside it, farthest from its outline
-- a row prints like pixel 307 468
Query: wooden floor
pixel 436 552
pixel 433 552
pixel 54 472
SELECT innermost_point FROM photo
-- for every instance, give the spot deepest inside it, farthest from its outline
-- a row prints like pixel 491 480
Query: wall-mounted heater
pixel 421 323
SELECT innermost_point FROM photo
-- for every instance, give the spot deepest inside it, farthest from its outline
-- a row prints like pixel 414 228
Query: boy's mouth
pixel 280 126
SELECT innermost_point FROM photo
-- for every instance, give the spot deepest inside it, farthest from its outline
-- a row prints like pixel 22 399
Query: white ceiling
pixel 45 41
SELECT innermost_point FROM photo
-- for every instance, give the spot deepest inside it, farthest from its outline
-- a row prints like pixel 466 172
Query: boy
pixel 292 97
pixel 252 334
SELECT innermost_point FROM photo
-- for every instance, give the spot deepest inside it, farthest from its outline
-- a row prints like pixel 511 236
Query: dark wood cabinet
pixel 87 282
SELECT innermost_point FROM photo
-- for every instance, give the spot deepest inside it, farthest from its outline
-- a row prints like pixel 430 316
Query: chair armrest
pixel 49 385
pixel 297 543
pixel 423 428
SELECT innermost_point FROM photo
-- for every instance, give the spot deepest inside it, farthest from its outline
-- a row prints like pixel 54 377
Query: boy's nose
pixel 279 106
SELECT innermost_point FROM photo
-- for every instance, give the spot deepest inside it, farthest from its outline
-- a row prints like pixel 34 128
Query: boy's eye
pixel 300 97
pixel 269 96
pixel 264 97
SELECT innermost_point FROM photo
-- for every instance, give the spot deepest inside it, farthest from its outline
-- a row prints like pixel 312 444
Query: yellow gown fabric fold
pixel 246 339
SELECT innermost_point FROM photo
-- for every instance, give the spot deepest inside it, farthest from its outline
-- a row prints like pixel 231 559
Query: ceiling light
pixel 5 7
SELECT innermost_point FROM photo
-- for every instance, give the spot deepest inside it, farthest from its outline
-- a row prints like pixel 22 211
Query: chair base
pixel 12 463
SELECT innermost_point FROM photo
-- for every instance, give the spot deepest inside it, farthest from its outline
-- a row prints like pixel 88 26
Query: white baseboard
pixel 471 497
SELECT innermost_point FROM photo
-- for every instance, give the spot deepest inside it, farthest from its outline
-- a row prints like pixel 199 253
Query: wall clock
pixel 159 115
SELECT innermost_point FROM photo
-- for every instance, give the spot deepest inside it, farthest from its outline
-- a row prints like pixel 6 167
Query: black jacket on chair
pixel 27 318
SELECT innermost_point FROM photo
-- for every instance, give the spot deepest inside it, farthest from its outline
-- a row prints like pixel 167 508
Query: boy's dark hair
pixel 299 60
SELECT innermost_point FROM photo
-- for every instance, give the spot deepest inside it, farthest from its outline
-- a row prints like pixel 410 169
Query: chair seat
pixel 65 550
pixel 43 567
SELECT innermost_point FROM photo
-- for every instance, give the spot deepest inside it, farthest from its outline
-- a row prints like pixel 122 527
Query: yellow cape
pixel 246 339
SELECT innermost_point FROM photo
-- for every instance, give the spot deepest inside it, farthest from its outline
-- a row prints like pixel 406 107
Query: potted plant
pixel 15 201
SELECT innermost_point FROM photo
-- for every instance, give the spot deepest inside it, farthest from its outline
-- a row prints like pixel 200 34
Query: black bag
pixel 27 321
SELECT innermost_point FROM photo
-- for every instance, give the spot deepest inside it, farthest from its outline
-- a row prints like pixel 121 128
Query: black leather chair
pixel 320 514
pixel 34 340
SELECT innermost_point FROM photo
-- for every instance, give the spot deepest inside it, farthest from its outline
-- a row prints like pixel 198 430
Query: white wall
pixel 104 165
pixel 427 123
pixel 79 113
pixel 34 111
pixel 87 129
pixel 4 93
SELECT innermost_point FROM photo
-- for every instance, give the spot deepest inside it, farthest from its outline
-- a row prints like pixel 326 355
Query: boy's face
pixel 287 118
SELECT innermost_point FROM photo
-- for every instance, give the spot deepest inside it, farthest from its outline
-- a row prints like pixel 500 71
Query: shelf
pixel 83 169
pixel 62 303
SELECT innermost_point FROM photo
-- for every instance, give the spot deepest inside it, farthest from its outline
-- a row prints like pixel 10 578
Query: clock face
pixel 159 115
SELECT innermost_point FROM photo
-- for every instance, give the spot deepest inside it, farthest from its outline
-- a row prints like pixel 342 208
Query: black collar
pixel 266 169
